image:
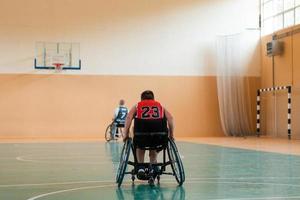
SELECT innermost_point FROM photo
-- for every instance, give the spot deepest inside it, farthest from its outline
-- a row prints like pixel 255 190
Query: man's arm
pixel 170 123
pixel 116 113
pixel 128 121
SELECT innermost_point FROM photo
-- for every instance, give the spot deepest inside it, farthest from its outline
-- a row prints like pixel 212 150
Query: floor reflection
pixel 157 192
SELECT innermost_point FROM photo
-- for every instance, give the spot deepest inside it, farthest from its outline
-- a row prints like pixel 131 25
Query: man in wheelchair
pixel 153 126
pixel 119 118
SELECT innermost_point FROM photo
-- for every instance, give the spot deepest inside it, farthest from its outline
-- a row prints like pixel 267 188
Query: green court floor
pixel 86 171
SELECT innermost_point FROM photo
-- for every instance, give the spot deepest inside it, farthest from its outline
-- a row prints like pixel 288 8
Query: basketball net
pixel 58 61
pixel 58 66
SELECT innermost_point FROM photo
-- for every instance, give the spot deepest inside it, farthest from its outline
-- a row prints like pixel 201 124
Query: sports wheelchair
pixel 109 135
pixel 162 143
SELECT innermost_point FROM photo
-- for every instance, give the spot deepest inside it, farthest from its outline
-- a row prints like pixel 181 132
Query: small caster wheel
pixel 151 181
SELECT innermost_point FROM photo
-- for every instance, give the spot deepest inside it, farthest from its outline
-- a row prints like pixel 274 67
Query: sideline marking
pixel 57 183
pixel 189 180
pixel 241 182
pixel 248 198
pixel 261 198
pixel 68 190
pixel 22 159
pixel 252 177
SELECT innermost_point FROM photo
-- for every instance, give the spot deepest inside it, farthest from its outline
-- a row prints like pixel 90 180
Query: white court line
pixel 55 183
pixel 163 179
pixel 68 190
pixel 22 159
pixel 253 177
pixel 261 198
pixel 63 157
pixel 241 182
pixel 111 185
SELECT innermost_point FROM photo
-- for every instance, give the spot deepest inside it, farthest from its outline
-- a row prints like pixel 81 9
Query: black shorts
pixel 119 125
pixel 151 141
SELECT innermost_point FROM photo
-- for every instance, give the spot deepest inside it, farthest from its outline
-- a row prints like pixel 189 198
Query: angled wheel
pixel 123 162
pixel 176 163
pixel 108 133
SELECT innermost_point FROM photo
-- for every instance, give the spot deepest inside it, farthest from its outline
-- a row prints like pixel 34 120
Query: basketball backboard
pixel 49 54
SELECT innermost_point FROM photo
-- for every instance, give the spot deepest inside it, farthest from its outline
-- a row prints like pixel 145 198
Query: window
pixel 289 18
pixel 297 15
pixel 278 22
pixel 288 4
pixel 267 26
pixel 268 9
pixel 278 14
pixel 277 6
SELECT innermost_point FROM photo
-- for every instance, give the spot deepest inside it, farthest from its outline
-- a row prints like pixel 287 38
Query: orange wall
pixel 73 106
pixel 122 43
pixel 286 72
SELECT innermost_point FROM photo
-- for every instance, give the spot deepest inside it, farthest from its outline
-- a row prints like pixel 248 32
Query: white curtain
pixel 234 55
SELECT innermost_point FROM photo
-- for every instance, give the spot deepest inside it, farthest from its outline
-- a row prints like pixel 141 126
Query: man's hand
pixel 126 137
pixel 171 136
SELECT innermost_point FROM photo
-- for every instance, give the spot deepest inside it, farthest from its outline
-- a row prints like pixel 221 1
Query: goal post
pixel 289 107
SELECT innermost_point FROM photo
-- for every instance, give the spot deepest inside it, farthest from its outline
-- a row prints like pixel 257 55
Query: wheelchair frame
pixel 170 150
pixel 109 135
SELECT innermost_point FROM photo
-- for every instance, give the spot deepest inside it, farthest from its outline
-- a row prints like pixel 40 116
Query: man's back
pixel 150 117
pixel 120 114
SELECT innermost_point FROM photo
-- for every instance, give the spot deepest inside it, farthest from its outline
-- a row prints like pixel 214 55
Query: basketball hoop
pixel 58 61
pixel 58 66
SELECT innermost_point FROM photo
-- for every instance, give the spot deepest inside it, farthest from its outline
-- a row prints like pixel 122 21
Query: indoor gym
pixel 227 70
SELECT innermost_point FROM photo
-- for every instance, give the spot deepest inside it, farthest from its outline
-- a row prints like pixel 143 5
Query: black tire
pixel 108 134
pixel 123 161
pixel 176 163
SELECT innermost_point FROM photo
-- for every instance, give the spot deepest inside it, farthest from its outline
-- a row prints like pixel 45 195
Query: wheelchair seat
pixel 150 141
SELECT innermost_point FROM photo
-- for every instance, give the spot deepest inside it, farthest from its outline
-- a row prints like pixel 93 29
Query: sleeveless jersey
pixel 120 118
pixel 150 117
pixel 149 109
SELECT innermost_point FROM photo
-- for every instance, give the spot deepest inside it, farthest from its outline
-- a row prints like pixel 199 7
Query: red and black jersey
pixel 150 117
pixel 149 109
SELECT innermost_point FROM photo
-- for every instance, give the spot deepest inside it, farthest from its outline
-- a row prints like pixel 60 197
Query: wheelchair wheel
pixel 176 163
pixel 108 133
pixel 123 161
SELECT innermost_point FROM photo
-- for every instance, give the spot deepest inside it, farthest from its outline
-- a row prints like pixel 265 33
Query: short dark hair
pixel 147 94
pixel 121 102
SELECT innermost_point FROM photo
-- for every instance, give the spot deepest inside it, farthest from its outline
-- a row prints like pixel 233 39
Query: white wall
pixel 136 37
